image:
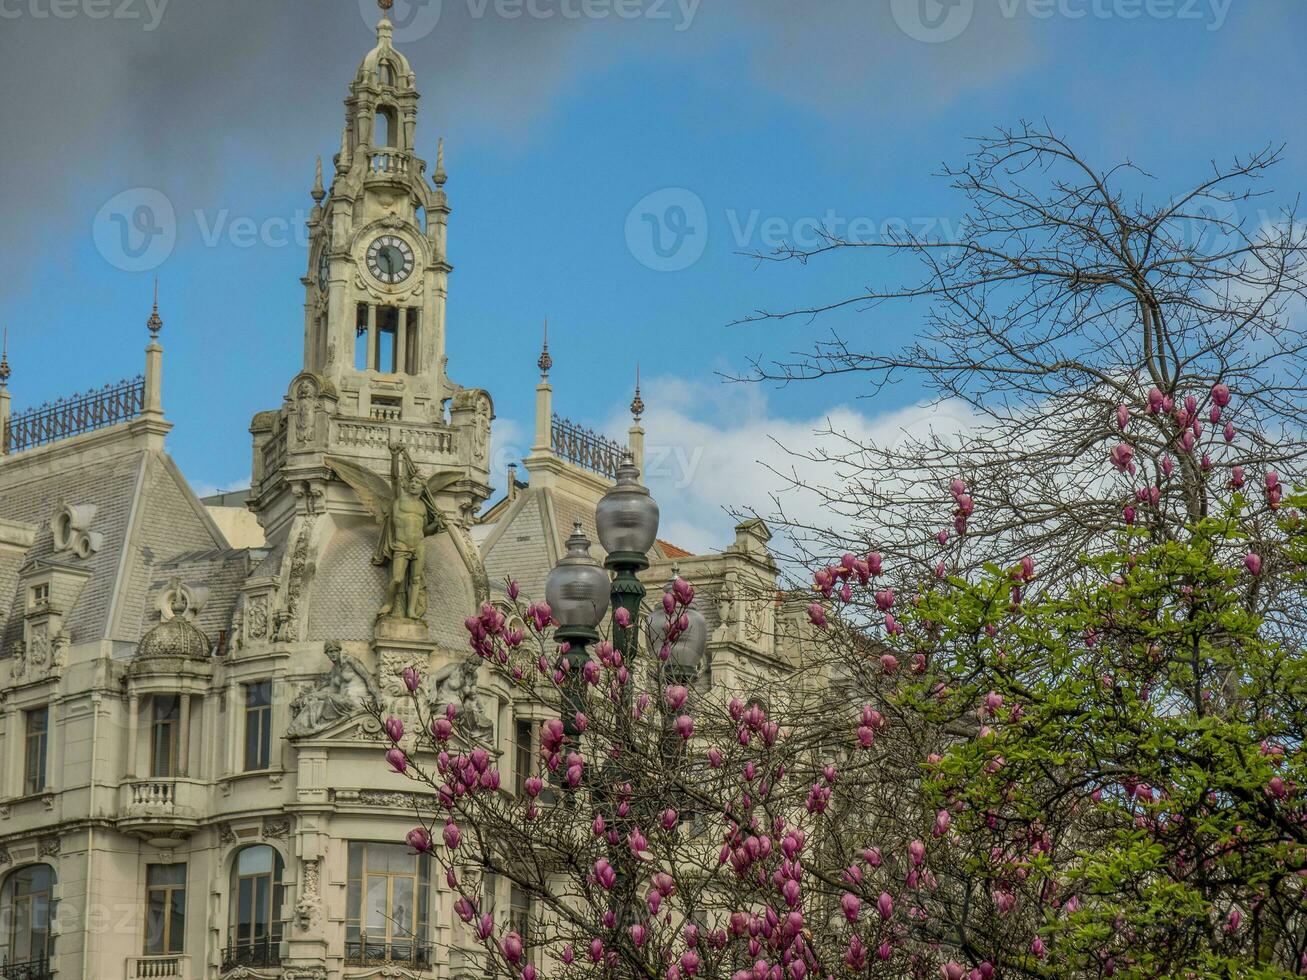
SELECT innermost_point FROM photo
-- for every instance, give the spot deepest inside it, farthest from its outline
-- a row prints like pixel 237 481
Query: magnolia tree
pixel 973 778
pixel 1068 289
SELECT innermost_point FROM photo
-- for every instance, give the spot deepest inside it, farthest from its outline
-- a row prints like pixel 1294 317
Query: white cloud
pixel 714 449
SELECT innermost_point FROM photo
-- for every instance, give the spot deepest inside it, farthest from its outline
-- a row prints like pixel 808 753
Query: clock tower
pixel 374 373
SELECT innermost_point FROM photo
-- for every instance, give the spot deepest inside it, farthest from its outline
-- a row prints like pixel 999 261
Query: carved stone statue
pixel 343 692
pixel 456 684
pixel 406 509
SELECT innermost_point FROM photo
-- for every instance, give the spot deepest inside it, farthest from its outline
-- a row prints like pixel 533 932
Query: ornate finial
pixel 4 361
pixel 439 177
pixel 385 4
pixel 155 323
pixel 319 192
pixel 637 403
pixel 545 362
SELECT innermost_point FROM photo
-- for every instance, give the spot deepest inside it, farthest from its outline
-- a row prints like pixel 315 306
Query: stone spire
pixel 153 395
pixel 439 177
pixel 635 435
pixel 545 362
pixel 155 322
pixel 318 192
pixel 544 434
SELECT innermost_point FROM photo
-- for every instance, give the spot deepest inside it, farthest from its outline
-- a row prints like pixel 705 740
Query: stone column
pixel 184 737
pixel 372 337
pixel 401 342
pixel 133 727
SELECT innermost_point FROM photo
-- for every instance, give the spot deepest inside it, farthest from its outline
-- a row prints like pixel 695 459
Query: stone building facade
pixel 190 785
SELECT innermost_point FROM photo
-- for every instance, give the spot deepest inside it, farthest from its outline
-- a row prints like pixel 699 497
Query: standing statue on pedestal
pixel 407 511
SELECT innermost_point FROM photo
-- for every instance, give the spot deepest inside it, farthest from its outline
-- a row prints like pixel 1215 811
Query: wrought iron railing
pixel 256 952
pixel 369 952
pixel 71 416
pixel 586 448
pixel 27 970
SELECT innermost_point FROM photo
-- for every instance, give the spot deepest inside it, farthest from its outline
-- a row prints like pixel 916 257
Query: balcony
pixel 163 811
pixel 171 967
pixel 28 970
pixel 257 952
pixel 393 951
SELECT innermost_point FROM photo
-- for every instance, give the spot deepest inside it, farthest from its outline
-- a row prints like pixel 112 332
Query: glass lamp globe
pixel 577 588
pixel 627 516
pixel 687 649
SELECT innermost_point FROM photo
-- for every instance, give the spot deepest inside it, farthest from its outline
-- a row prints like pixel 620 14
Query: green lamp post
pixel 577 593
pixel 627 520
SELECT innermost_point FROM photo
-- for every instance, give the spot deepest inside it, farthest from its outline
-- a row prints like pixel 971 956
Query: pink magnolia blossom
pixel 1221 394
pixel 817 614
pixel 1253 562
pixel 511 947
pixel 412 679
pixel 419 839
pixel 1121 455
pixel 453 836
pixel 1122 416
pixel 397 760
pixel 885 906
pixel 394 729
pixel 1156 400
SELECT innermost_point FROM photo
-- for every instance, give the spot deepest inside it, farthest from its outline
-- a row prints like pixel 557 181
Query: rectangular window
pixel 258 725
pixel 165 909
pixel 40 595
pixel 37 733
pixel 519 918
pixel 523 732
pixel 165 726
pixel 387 905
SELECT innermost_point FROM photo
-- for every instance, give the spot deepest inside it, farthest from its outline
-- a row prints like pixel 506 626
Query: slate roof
pixel 143 509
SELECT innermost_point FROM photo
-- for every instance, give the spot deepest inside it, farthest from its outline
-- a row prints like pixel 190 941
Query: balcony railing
pixel 27 970
pixel 370 952
pixel 585 448
pixel 257 952
pixel 71 416
pixel 170 967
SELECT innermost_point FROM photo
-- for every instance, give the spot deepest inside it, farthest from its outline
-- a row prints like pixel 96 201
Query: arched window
pixel 255 935
pixel 385 132
pixel 386 72
pixel 26 904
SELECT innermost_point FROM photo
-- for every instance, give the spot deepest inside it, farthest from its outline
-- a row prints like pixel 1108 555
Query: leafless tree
pixel 1066 293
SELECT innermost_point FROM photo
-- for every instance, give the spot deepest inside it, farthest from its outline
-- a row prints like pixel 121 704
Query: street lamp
pixel 627 520
pixel 686 654
pixel 577 593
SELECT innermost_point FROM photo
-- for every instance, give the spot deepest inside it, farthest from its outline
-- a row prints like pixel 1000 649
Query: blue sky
pixel 769 115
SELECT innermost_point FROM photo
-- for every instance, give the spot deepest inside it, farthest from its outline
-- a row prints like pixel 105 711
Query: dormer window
pixel 39 596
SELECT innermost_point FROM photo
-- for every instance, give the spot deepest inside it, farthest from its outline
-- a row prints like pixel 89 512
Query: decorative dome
pixel 174 638
pixel 385 55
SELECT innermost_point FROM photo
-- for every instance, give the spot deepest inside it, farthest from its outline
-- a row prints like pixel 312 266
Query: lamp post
pixel 577 592
pixel 627 520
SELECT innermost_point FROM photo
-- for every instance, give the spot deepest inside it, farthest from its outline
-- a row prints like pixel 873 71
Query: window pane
pixel 255 860
pixel 166 874
pixel 154 905
pixel 177 927
pixel 401 909
pixel 375 921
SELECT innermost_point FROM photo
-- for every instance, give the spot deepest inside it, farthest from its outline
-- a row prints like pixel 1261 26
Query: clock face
pixel 390 259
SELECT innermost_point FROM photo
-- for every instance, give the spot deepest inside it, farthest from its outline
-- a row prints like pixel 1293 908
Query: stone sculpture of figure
pixel 343 692
pixel 406 509
pixel 456 684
